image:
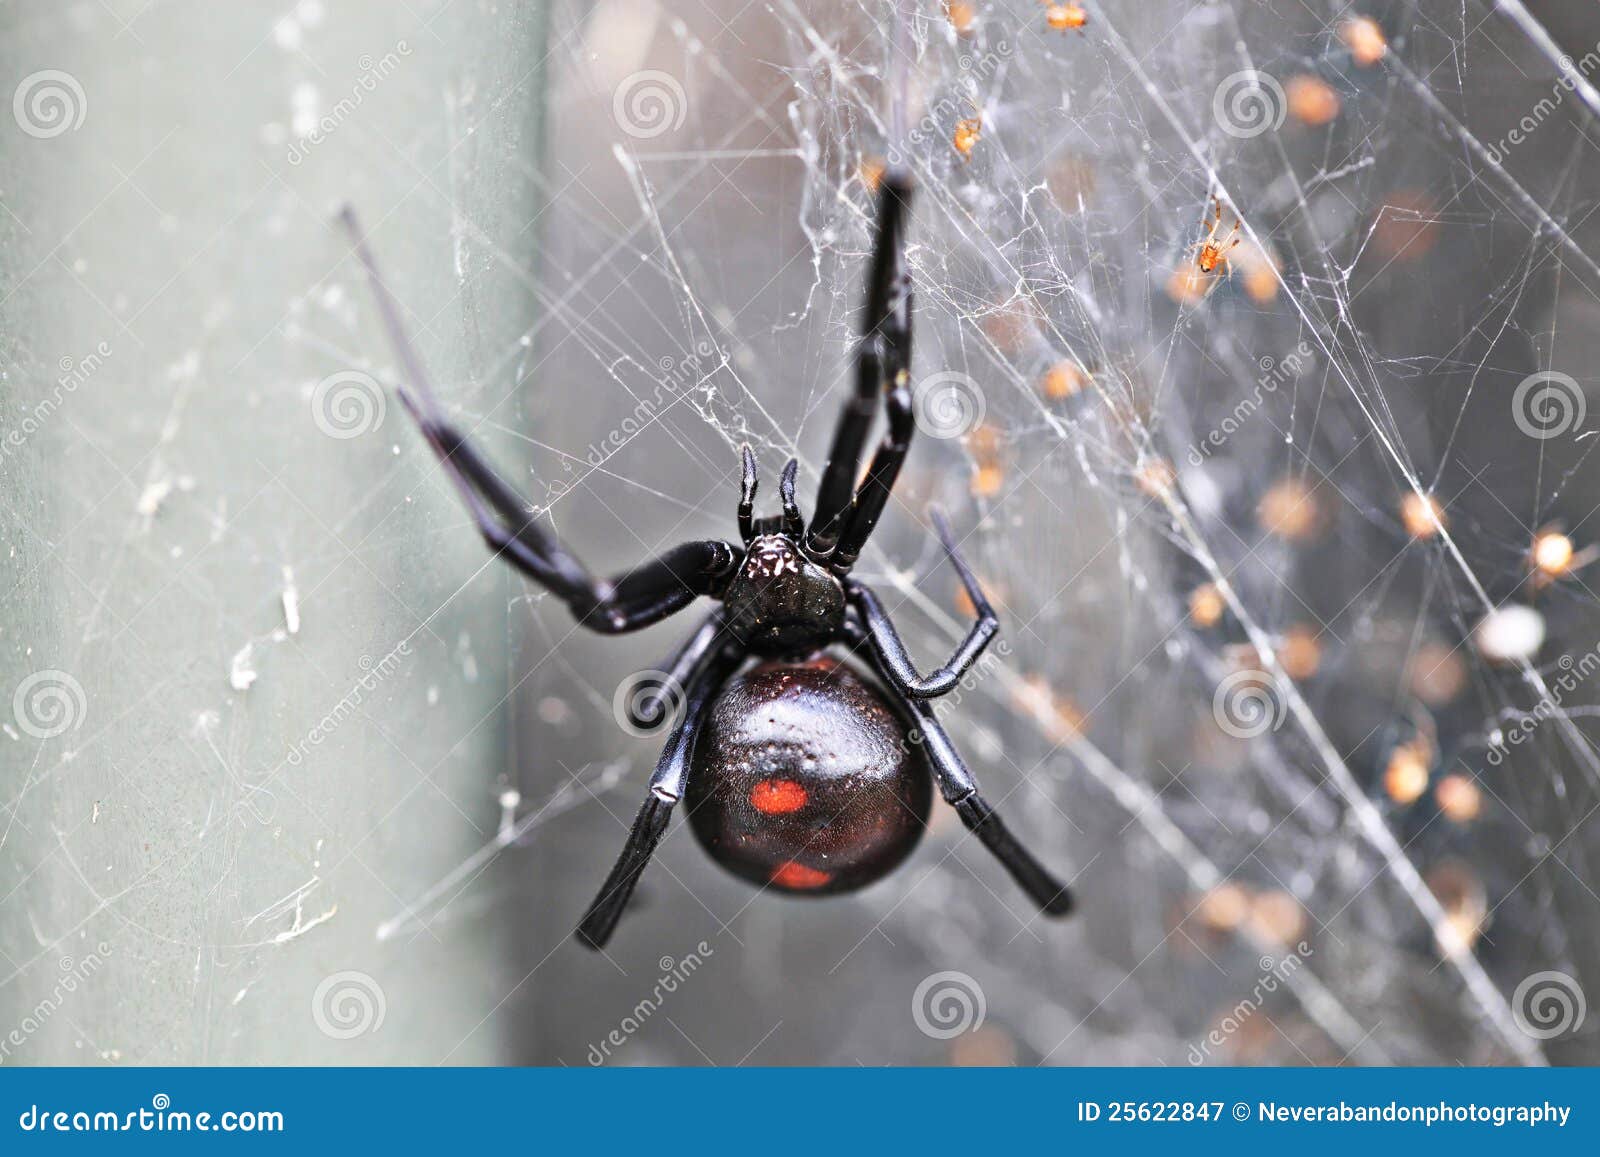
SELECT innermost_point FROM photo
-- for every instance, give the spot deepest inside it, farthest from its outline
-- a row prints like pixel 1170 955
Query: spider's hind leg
pixel 711 660
pixel 960 791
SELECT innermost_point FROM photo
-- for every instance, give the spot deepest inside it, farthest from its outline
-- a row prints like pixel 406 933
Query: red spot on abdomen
pixel 777 797
pixel 799 877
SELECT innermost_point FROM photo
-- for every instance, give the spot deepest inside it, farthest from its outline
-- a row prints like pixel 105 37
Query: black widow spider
pixel 798 773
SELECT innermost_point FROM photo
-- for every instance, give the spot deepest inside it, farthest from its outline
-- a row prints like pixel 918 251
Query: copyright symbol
pixel 1241 1112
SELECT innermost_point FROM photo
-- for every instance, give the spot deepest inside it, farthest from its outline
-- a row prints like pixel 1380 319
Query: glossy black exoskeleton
pixel 801 774
pixel 779 602
pixel 803 779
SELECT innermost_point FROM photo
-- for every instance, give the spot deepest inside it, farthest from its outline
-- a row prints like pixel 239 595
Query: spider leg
pixel 748 482
pixel 626 602
pixel 883 365
pixel 879 482
pixel 794 524
pixel 1222 257
pixel 891 652
pixel 960 791
pixel 666 789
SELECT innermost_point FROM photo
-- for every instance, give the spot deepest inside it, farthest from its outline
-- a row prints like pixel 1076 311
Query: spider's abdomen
pixel 804 780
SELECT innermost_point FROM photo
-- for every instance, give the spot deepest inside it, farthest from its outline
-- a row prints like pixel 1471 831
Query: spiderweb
pixel 1298 659
pixel 1247 530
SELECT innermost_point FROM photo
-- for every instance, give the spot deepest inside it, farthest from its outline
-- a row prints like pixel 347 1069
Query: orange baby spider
pixel 1209 253
pixel 1554 557
pixel 968 133
pixel 1063 17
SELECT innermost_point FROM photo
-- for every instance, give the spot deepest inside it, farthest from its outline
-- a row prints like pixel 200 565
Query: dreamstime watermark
pixel 931 126
pixel 348 1004
pixel 1574 672
pixel 677 374
pixel 649 103
pixel 948 1004
pixel 1274 973
pixel 1274 373
pixel 74 373
pixel 1549 1004
pixel 373 72
pixel 160 1117
pixel 373 675
pixel 991 658
pixel 1249 103
pixel 647 703
pixel 74 974
pixel 1246 704
pixel 1548 404
pixel 673 974
pixel 348 404
pixel 48 103
pixel 1535 117
pixel 49 703
pixel 947 405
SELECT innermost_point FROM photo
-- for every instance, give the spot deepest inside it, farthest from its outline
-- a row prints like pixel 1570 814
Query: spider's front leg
pixel 625 602
pixel 845 513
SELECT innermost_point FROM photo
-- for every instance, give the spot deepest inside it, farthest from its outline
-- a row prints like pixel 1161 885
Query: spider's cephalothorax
pixel 800 774
pixel 780 602
pixel 1209 252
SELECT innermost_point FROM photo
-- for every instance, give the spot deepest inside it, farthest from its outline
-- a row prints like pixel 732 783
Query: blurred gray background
pixel 295 773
